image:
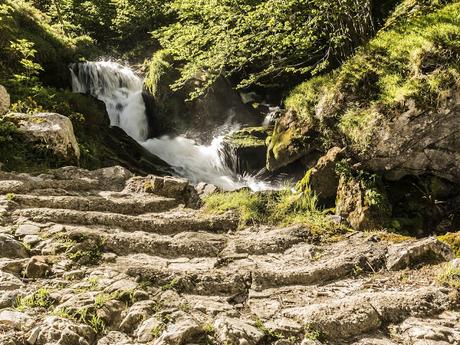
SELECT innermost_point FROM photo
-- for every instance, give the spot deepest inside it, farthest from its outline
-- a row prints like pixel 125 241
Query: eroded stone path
pixel 104 257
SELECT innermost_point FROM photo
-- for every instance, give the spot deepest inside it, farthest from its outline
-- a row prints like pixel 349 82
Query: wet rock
pixel 10 248
pixel 37 268
pixel 236 331
pixel 170 113
pixel 244 151
pixel 290 141
pixel 406 255
pixel 4 100
pixel 205 189
pixel 53 130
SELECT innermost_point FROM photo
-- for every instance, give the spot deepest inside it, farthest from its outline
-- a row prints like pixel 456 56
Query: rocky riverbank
pixel 105 257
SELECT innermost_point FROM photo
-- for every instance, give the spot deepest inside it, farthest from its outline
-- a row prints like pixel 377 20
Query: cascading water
pixel 121 91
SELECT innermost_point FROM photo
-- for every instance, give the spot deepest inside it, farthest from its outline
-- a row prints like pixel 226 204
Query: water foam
pixel 121 91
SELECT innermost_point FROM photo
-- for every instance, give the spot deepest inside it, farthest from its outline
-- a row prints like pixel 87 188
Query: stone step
pixel 184 244
pixel 197 276
pixel 171 222
pixel 369 311
pixel 106 202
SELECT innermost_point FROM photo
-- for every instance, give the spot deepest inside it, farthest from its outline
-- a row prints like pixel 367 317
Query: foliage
pixel 39 299
pixel 261 41
pixel 453 240
pixel 114 24
pixel 450 276
pixel 282 207
pixel 416 58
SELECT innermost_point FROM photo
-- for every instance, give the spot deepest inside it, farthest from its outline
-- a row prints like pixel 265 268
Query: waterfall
pixel 121 91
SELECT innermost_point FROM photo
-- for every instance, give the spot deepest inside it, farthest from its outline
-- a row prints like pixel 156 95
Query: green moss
pixel 248 137
pixel 305 97
pixel 416 58
pixel 39 299
pixel 453 240
pixel 281 208
pixel 161 73
pixel 450 276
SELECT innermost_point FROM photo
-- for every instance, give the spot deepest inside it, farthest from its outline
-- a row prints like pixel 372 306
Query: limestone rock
pixel 4 100
pixel 419 141
pixel 290 141
pixel 184 330
pixel 236 331
pixel 145 332
pixel 354 203
pixel 10 248
pixel 52 130
pixel 55 330
pixel 323 177
pixel 406 255
pixel 27 229
pixel 37 268
pixel 168 186
pixel 10 319
pixel 115 338
pixel 9 282
pixel 135 315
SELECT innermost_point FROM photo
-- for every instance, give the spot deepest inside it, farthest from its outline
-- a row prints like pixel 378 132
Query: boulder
pixel 50 132
pixel 364 206
pixel 184 330
pixel 291 140
pixel 10 248
pixel 429 250
pixel 168 186
pixel 244 151
pixel 323 178
pixel 4 101
pixel 236 331
pixel 37 268
pixel 419 141
pixel 11 319
pixel 56 330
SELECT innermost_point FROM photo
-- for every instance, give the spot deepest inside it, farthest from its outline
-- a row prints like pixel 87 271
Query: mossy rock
pixel 363 201
pixel 291 140
pixel 244 150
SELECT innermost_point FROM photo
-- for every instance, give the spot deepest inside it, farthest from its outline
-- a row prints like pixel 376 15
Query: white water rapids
pixel 121 91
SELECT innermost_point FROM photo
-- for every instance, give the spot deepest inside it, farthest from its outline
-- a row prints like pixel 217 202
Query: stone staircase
pixel 104 257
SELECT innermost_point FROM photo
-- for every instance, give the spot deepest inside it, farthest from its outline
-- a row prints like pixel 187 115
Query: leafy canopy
pixel 261 42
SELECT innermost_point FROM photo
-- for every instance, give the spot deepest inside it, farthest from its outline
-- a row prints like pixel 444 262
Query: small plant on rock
pixel 39 299
pixel 450 276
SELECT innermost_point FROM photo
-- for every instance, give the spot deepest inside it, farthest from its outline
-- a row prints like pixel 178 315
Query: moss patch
pixel 280 208
pixel 416 58
pixel 453 240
